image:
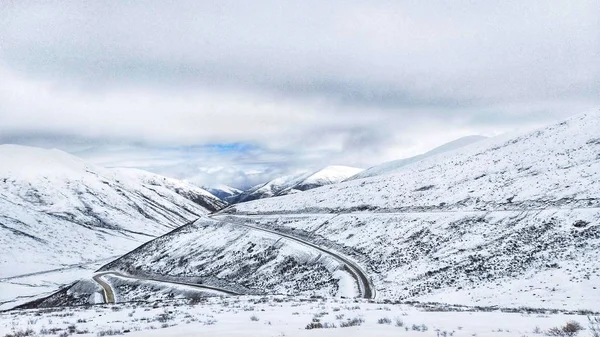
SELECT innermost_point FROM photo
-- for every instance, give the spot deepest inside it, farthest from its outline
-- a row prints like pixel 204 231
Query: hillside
pixel 58 211
pixel 395 165
pixel 296 183
pixel 511 221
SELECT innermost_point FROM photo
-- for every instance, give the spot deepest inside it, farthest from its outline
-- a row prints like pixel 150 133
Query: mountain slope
pixel 513 221
pixel 223 192
pixel 326 176
pixel 55 209
pixel 395 165
pixel 297 182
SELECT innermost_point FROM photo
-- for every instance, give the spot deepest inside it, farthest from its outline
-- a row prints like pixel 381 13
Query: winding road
pixel 109 294
pixel 365 286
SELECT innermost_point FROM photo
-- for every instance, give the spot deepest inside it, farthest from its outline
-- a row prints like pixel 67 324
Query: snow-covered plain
pixel 281 316
pixel 58 211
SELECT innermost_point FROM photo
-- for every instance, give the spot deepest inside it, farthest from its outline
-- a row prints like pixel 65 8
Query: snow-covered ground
pixel 237 258
pixel 557 166
pixel 281 316
pixel 17 290
pixel 395 165
pixel 58 211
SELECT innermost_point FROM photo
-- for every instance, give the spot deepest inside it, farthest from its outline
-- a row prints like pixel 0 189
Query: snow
pixel 513 220
pixel 57 210
pixel 281 316
pixel 395 165
pixel 223 192
pixel 297 182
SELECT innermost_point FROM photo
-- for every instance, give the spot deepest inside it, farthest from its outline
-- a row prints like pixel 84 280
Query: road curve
pixel 365 287
pixel 109 295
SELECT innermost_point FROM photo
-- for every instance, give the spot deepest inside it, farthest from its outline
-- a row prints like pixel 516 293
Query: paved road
pixel 109 295
pixel 365 287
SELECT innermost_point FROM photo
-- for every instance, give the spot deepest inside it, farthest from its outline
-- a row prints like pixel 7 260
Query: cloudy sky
pixel 236 92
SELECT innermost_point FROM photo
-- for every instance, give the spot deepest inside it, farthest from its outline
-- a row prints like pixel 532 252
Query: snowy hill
pixel 397 164
pixel 57 210
pixel 296 183
pixel 223 192
pixel 512 220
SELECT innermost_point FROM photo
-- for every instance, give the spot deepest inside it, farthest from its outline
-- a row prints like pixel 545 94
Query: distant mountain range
pixel 223 192
pixel 296 183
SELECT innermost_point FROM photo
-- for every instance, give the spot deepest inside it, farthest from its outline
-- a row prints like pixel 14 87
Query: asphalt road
pixel 109 295
pixel 365 287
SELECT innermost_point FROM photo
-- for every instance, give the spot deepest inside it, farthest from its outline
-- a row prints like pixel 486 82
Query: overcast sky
pixel 237 92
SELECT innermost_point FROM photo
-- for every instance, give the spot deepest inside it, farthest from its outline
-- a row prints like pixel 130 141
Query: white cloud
pixel 307 83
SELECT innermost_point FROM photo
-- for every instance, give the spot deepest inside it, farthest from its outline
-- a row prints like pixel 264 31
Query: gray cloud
pixel 308 83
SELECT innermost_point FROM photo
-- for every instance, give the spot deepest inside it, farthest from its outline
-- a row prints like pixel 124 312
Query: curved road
pixel 109 294
pixel 365 287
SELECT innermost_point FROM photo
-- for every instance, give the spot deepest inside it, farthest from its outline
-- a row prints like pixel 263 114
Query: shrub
pixel 399 322
pixel 572 328
pixel 109 332
pixel 384 320
pixel 314 325
pixel 357 321
pixel 21 333
pixel 253 318
pixel 594 326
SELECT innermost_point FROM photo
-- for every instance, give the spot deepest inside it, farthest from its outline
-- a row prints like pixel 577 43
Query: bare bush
pixel 356 321
pixel 384 320
pixel 572 328
pixel 21 333
pixel 110 332
pixel 594 326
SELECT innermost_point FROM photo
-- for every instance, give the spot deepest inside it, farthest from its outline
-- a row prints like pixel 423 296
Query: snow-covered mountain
pixel 57 210
pixel 398 164
pixel 296 183
pixel 511 221
pixel 223 192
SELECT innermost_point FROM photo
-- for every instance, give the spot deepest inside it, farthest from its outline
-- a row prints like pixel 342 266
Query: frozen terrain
pixel 297 183
pixel 395 165
pixel 512 220
pixel 284 316
pixel 57 211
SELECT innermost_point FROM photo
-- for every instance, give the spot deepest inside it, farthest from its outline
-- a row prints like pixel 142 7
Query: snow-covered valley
pixel 504 224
